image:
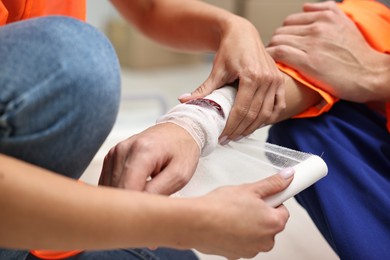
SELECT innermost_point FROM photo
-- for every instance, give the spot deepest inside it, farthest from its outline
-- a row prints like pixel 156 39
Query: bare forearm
pixel 370 82
pixel 380 79
pixel 39 206
pixel 298 98
pixel 188 25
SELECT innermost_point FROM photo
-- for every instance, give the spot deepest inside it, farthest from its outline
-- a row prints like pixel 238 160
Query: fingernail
pixel 239 138
pixel 185 95
pixel 224 140
pixel 286 173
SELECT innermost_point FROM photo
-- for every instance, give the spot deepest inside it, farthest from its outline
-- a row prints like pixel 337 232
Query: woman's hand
pixel 241 57
pixel 237 221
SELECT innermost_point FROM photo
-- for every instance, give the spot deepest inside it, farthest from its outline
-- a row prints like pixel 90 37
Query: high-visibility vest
pixel 16 10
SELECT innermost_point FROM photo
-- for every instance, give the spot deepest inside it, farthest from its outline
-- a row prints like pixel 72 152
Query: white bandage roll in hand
pixel 203 118
pixel 246 161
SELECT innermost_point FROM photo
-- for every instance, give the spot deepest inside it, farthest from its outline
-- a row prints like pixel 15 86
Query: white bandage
pixel 203 118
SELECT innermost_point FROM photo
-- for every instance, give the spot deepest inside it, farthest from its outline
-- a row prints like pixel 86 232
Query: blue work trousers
pixel 351 205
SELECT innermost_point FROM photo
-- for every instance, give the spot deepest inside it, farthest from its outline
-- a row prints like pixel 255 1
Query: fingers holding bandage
pixel 260 223
pixel 149 162
pixel 242 58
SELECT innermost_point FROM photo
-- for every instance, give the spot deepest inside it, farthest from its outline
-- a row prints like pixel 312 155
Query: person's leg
pixel 351 205
pixel 59 96
pixel 135 254
pixel 9 254
pixel 59 92
pixel 130 254
pixel 123 254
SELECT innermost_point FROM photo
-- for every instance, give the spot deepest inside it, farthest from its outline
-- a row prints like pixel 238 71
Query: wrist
pixel 237 26
pixel 377 78
pixel 196 218
pixel 203 119
pixel 184 224
pixel 382 79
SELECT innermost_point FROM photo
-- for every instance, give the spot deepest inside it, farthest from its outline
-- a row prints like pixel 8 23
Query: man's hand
pixel 161 159
pixel 326 47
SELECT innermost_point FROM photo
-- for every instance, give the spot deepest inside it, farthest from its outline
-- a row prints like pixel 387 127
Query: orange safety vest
pixel 373 20
pixel 17 10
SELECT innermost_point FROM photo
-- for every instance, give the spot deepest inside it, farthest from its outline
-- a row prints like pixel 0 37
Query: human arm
pixel 299 98
pixel 160 159
pixel 240 55
pixel 163 158
pixel 39 206
pixel 328 48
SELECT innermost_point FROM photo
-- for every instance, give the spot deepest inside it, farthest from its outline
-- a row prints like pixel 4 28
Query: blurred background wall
pixel 137 52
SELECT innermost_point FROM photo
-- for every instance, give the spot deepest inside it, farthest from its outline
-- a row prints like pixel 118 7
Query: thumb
pixel 275 183
pixel 203 90
pixel 288 55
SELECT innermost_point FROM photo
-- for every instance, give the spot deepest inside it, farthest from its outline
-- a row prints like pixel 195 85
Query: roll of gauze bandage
pixel 251 160
pixel 248 160
pixel 203 118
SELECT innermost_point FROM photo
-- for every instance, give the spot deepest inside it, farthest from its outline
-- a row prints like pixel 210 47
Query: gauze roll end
pixel 251 160
pixel 306 173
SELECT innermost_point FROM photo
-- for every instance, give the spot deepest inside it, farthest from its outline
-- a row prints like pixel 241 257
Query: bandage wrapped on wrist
pixel 203 118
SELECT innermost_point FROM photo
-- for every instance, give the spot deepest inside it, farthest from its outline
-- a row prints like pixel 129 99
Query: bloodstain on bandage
pixel 204 102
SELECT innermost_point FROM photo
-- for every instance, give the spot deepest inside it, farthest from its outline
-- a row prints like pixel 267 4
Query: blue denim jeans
pixel 59 97
pixel 59 92
pixel 118 254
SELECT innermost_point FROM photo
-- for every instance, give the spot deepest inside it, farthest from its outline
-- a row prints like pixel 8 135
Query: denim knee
pixel 89 65
pixel 60 92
